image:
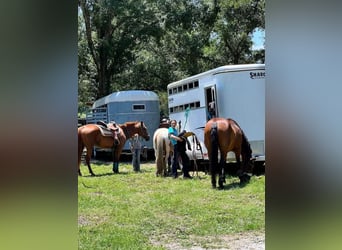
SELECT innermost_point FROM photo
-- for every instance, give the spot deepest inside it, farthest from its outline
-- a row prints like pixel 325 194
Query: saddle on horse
pixel 109 129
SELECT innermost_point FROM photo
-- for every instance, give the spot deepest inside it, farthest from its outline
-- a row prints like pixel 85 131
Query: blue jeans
pixel 175 161
pixel 136 160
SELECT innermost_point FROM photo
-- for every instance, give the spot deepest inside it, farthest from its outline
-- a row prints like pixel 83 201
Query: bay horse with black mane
pixel 226 135
pixel 90 135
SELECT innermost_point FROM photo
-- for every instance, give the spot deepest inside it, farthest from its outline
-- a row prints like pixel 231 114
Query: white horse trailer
pixel 125 106
pixel 232 91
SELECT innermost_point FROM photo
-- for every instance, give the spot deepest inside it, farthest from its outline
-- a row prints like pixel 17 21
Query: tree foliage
pixel 146 44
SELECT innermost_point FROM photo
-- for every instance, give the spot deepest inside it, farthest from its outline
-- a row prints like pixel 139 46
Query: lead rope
pixel 198 147
pixel 194 156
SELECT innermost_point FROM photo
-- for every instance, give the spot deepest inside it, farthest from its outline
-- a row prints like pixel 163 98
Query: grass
pixel 141 211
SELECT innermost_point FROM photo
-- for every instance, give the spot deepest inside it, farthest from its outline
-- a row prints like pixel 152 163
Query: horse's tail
pixel 159 153
pixel 214 148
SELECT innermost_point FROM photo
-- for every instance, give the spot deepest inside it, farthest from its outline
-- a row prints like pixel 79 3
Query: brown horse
pixel 226 135
pixel 90 135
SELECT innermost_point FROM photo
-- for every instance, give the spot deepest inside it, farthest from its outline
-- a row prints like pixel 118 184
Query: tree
pixel 147 44
pixel 113 29
pixel 232 32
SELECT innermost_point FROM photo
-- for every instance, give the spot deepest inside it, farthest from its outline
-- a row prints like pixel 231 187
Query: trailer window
pixel 180 108
pixel 196 84
pixel 170 91
pixel 185 87
pixel 191 85
pixel 138 107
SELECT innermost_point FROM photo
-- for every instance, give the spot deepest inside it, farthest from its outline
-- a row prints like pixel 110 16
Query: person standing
pixel 135 145
pixel 181 147
pixel 173 135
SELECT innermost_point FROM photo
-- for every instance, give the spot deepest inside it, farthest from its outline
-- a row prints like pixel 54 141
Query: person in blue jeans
pixel 173 134
pixel 135 145
pixel 181 147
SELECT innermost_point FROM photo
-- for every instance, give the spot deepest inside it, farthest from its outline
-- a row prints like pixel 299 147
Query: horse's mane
pixel 128 123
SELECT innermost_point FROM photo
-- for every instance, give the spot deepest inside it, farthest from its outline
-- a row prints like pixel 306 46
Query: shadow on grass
pixel 106 174
pixel 233 185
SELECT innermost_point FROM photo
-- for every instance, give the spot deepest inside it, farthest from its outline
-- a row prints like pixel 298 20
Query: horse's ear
pixel 142 123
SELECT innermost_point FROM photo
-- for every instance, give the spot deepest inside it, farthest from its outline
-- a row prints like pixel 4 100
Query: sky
pixel 258 39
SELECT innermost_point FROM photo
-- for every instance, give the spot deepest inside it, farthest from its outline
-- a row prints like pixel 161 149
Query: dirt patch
pixel 240 241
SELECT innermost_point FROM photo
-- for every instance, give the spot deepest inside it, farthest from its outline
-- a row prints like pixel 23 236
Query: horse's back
pixel 220 123
pixel 228 131
pixel 88 128
pixel 160 135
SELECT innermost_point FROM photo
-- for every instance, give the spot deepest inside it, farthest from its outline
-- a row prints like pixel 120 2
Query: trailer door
pixel 211 102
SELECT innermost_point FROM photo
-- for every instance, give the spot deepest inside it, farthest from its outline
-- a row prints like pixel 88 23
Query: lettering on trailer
pixel 257 75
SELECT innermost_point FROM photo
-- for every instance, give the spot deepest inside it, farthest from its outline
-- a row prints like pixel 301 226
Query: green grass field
pixel 141 211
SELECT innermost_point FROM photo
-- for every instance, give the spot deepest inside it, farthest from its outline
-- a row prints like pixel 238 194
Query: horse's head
pixel 143 132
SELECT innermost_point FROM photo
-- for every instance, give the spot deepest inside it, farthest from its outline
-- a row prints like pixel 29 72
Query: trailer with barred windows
pixel 124 106
pixel 231 91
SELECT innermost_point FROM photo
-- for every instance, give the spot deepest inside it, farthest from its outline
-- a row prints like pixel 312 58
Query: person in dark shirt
pixel 181 148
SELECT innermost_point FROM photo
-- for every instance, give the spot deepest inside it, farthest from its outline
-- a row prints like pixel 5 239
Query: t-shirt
pixel 181 145
pixel 135 143
pixel 175 133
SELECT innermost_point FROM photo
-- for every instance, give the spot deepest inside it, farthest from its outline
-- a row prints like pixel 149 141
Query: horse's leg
pixel 222 175
pixel 213 166
pixel 165 168
pixel 213 154
pixel 80 150
pixel 88 156
pixel 166 162
pixel 116 157
pixel 241 170
pixel 159 159
pixel 246 169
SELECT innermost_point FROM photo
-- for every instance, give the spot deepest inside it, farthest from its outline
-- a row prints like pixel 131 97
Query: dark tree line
pixel 147 44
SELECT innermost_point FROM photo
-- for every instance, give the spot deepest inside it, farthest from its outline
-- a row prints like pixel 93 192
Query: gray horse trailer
pixel 125 106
